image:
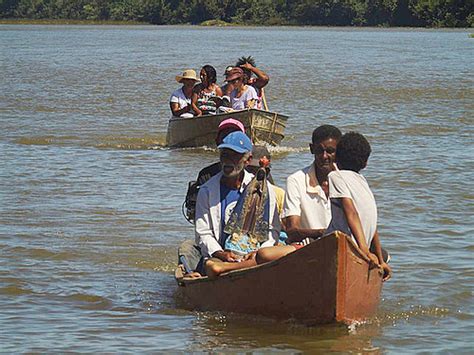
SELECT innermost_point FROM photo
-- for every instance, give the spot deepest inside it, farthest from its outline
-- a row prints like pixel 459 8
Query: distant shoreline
pixel 26 21
pixel 211 23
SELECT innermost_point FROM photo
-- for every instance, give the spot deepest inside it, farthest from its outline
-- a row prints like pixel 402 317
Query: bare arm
pixel 353 220
pixel 387 270
pixel 297 234
pixel 262 77
pixel 218 98
pixel 377 247
pixel 194 104
pixel 226 255
pixel 174 106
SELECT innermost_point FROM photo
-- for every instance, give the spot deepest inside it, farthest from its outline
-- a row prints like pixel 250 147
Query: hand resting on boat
pixel 227 256
pixel 381 261
pixel 387 271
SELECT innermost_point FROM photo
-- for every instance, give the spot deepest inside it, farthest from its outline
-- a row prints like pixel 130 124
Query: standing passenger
pixel 180 100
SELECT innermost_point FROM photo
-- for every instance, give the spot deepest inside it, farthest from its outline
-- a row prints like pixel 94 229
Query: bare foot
pixel 192 275
pixel 213 269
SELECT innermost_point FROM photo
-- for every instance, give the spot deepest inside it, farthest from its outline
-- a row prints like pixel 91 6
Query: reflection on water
pixel 91 197
pixel 244 333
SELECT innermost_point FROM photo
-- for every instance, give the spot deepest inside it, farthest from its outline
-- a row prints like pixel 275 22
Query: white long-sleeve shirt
pixel 208 215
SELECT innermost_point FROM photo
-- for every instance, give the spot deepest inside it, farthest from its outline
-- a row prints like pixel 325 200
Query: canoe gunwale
pixel 278 115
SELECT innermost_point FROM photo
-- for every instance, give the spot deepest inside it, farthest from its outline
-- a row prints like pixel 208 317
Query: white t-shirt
pixel 346 183
pixel 239 103
pixel 305 198
pixel 179 97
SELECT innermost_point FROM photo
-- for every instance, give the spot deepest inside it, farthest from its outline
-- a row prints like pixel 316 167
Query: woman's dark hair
pixel 326 132
pixel 210 73
pixel 353 151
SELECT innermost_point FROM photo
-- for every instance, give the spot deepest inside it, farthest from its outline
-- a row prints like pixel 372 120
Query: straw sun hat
pixel 187 74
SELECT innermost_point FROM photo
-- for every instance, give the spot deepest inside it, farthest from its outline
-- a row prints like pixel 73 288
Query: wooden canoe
pixel 326 281
pixel 261 127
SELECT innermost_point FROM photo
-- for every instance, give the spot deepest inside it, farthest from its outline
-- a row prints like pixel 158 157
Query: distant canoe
pixel 326 281
pixel 261 127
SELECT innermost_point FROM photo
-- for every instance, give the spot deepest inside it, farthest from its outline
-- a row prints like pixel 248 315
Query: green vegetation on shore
pixel 428 13
pixel 28 21
pixel 216 23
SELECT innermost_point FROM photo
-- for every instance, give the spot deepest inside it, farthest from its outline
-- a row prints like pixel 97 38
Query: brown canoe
pixel 261 127
pixel 326 281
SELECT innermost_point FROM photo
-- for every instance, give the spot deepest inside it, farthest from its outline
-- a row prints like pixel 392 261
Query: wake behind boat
pixel 327 281
pixel 263 127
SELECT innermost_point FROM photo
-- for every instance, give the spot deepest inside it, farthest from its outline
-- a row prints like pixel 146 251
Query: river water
pixel 90 212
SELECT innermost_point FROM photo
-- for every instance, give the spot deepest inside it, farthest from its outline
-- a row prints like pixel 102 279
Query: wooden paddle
pixel 264 99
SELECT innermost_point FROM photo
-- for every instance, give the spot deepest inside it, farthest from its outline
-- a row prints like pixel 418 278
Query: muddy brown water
pixel 90 212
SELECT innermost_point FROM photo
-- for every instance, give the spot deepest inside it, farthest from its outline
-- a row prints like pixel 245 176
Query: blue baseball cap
pixel 237 141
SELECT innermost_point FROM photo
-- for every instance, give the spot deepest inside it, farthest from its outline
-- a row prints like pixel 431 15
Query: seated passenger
pixel 217 198
pixel 180 100
pixel 307 210
pixel 353 207
pixel 227 88
pixel 206 95
pixel 225 127
pixel 242 96
pixel 189 254
pixel 259 82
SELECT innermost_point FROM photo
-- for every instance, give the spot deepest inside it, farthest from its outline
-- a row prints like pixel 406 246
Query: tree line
pixel 430 13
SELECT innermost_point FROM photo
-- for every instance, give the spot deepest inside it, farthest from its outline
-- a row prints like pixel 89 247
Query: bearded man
pixel 217 199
